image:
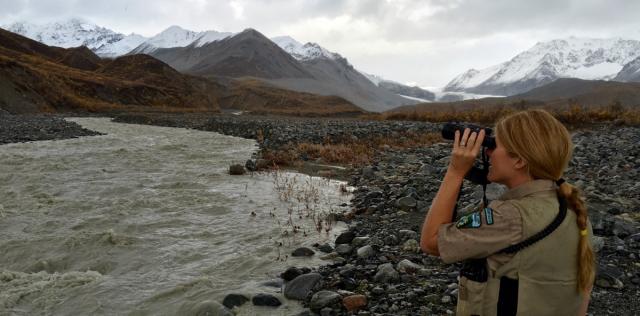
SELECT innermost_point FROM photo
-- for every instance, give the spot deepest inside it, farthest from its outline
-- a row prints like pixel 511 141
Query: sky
pixel 419 42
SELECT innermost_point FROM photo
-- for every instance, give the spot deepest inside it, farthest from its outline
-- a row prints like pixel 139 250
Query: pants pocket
pixel 470 297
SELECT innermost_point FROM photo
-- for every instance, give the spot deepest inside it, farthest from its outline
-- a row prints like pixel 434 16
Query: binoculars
pixel 476 175
pixel 449 130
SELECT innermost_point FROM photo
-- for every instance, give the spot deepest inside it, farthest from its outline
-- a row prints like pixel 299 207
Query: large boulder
pixel 300 287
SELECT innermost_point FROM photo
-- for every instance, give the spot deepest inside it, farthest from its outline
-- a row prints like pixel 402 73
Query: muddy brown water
pixel 146 220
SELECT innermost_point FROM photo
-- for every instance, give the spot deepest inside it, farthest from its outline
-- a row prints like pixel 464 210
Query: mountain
pixel 590 59
pixel 310 51
pixel 558 95
pixel 630 72
pixel 35 77
pixel 78 32
pixel 305 68
pixel 333 74
pixel 585 92
pixel 246 54
pixel 175 36
pixel 302 52
pixel 412 92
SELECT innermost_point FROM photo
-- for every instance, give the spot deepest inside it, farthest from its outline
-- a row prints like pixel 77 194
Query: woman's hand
pixel 463 155
pixel 465 151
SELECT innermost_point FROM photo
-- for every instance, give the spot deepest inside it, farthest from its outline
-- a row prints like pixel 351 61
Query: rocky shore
pixel 377 268
pixel 25 128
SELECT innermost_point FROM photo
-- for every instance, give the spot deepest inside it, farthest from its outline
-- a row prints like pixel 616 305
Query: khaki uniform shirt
pixel 546 271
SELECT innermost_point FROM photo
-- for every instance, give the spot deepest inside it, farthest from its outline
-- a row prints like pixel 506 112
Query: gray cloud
pixel 392 38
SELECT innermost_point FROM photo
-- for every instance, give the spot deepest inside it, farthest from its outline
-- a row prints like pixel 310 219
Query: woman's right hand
pixel 465 150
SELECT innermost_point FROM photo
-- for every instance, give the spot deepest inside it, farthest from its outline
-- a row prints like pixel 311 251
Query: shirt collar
pixel 529 188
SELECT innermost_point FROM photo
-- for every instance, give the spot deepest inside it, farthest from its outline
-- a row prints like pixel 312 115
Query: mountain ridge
pixel 591 59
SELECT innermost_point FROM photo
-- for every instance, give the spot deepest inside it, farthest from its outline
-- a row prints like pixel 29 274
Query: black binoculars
pixel 476 175
pixel 449 130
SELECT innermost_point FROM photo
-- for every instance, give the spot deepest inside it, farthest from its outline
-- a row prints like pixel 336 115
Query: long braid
pixel 586 257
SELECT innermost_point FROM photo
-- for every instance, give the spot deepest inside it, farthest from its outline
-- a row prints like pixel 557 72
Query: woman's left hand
pixel 465 150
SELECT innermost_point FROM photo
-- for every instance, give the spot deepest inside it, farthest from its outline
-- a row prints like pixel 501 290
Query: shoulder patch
pixel 471 220
pixel 488 215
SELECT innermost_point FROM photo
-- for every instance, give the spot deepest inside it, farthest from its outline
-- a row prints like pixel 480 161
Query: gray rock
pixel 345 238
pixel 265 300
pixel 391 240
pixel 291 273
pixel 406 203
pixel 407 234
pixel 326 248
pixel 300 287
pixel 232 300
pixel 366 252
pixel 360 241
pixel 344 249
pixel 406 266
pixel 597 243
pixel 303 252
pixel 386 274
pixel 324 299
pixel 411 246
pixel 327 311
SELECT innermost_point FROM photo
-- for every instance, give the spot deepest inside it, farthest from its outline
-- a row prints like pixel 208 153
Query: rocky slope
pixel 630 72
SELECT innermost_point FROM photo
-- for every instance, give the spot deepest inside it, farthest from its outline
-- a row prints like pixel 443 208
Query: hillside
pixel 37 78
pixel 257 97
pixel 557 95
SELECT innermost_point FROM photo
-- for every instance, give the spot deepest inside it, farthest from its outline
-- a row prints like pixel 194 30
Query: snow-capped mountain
pixel 303 52
pixel 175 36
pixel 410 92
pixel 591 59
pixel 630 72
pixel 78 32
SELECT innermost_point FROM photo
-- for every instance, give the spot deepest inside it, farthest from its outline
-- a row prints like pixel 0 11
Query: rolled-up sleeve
pixel 455 244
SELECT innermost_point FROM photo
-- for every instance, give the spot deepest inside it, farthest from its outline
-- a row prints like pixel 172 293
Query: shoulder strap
pixel 543 233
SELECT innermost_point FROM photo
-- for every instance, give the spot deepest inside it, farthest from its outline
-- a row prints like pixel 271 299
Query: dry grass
pixel 348 152
pixel 573 114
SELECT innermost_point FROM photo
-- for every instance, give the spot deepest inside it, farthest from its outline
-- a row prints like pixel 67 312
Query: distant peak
pixel 250 31
pixel 174 29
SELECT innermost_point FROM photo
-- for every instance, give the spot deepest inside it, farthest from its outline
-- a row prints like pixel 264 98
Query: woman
pixel 554 275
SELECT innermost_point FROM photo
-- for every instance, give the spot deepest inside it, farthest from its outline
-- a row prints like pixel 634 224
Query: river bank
pixel 379 257
pixel 378 260
pixel 25 128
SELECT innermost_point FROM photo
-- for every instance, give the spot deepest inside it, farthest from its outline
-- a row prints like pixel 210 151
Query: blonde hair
pixel 545 144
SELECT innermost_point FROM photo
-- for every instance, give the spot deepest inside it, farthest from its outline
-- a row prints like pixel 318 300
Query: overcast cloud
pixel 423 42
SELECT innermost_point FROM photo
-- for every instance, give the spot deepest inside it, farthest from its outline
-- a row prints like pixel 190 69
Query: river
pixel 146 220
